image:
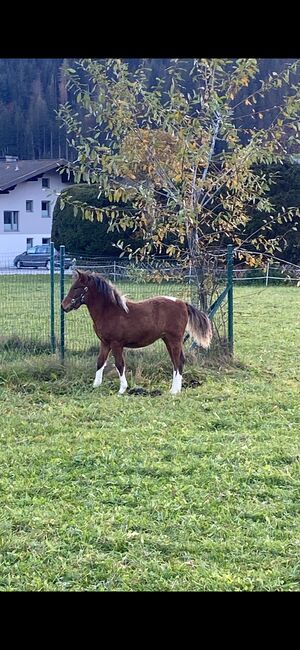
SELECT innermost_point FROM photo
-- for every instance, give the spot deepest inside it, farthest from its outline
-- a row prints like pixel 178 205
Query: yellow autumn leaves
pixel 147 152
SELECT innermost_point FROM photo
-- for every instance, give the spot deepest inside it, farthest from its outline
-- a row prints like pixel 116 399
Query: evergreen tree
pixel 32 89
pixel 86 237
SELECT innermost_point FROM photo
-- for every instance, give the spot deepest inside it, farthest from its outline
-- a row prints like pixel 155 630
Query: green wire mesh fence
pixel 24 313
pixel 32 323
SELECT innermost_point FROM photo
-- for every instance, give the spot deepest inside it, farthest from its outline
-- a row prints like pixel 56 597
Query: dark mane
pixel 108 292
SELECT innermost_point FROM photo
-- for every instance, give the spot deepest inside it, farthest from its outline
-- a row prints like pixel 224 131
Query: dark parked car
pixel 39 256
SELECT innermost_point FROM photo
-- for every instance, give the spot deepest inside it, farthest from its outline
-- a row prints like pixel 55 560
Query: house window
pixel 45 208
pixel 46 240
pixel 29 243
pixel 45 182
pixel 29 206
pixel 11 220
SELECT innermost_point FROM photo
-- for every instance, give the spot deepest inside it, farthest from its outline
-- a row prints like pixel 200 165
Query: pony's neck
pixel 95 305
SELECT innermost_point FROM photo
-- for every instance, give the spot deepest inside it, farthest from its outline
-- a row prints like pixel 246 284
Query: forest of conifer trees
pixel 32 89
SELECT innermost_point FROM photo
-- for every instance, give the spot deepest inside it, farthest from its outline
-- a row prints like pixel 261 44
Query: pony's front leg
pixel 101 363
pixel 176 353
pixel 117 351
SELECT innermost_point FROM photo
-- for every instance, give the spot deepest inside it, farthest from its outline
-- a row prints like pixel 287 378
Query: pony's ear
pixel 77 275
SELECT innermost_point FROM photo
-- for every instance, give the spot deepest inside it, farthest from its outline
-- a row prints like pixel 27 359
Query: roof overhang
pixel 33 174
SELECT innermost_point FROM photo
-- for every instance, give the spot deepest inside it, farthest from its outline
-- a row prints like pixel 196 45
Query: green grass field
pixel 195 492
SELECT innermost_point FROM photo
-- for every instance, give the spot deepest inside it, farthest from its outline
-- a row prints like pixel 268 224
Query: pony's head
pixel 78 291
pixel 92 285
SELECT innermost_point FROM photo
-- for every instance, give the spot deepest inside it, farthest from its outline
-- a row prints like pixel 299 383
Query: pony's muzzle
pixel 66 308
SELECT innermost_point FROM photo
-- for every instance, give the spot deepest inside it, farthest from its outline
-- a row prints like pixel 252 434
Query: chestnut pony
pixel 121 323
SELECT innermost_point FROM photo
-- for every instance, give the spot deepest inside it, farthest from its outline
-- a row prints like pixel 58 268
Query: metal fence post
pixel 267 274
pixel 52 326
pixel 62 295
pixel 230 295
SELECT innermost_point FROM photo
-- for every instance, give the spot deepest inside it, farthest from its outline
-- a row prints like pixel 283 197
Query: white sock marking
pixel 177 381
pixel 123 382
pixel 98 377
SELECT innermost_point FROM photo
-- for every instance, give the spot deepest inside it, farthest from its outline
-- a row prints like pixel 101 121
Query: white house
pixel 28 192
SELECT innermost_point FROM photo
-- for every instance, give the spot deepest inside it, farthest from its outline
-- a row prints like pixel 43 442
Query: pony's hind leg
pixel 175 350
pixel 117 351
pixel 101 363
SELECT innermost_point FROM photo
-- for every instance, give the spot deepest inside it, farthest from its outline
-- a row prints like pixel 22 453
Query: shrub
pixel 81 236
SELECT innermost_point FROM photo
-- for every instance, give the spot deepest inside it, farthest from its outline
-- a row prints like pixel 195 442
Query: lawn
pixel 136 493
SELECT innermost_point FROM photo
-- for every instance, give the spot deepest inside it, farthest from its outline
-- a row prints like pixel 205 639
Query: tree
pixel 284 182
pixel 201 192
pixel 85 236
pixel 17 77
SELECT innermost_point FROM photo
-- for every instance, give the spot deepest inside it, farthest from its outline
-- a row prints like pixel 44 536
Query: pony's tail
pixel 199 326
